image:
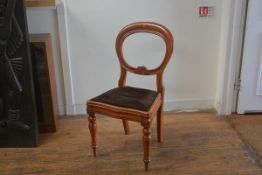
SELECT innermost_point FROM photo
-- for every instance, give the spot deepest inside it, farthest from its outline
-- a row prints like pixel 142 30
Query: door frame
pixel 65 57
pixel 233 57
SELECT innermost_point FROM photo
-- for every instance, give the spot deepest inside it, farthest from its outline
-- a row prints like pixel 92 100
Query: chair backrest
pixel 144 27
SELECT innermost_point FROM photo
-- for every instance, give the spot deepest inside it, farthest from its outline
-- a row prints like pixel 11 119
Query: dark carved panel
pixel 18 119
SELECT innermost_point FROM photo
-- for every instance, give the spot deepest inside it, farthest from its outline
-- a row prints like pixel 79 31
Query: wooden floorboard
pixel 196 143
pixel 249 128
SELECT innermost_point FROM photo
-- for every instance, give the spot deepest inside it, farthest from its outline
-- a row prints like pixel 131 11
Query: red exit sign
pixel 205 11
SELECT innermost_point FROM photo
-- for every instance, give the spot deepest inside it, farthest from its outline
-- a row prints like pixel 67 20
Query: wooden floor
pixel 194 144
pixel 249 128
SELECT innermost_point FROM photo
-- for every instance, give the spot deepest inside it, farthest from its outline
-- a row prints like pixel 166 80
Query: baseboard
pixel 61 110
pixel 66 110
pixel 184 104
pixel 189 104
pixel 218 107
pixel 220 110
pixel 80 109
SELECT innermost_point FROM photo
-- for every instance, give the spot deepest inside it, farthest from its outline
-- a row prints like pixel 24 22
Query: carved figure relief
pixel 11 37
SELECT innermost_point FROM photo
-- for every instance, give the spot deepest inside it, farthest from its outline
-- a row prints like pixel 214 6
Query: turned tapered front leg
pixel 146 140
pixel 160 125
pixel 92 129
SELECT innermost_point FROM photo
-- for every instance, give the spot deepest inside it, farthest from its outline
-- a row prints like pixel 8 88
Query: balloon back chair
pixel 132 103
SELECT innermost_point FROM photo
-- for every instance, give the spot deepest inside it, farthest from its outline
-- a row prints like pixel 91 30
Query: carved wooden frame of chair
pixel 128 114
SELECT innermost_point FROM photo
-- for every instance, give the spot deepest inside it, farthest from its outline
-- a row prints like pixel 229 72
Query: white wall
pixel 191 76
pixel 44 20
pixel 195 77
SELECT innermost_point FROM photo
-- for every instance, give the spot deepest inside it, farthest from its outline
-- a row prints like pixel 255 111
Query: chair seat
pixel 128 97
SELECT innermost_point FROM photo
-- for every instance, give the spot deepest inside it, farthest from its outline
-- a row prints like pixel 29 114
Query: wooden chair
pixel 130 103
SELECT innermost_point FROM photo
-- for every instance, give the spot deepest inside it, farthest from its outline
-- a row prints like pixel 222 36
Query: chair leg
pixel 92 129
pixel 160 124
pixel 126 127
pixel 146 140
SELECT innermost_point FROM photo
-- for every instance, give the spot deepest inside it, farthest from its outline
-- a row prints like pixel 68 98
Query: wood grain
pixel 194 144
pixel 41 3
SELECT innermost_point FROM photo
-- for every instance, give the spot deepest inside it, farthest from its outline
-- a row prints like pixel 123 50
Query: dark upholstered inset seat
pixel 128 97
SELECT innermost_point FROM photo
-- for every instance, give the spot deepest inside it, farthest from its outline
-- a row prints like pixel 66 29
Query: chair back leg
pixel 126 127
pixel 92 129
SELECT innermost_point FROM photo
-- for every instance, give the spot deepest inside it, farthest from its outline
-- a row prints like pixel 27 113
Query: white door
pixel 250 94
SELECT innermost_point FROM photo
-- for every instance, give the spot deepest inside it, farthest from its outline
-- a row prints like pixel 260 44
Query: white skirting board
pixel 189 104
pixel 61 110
pixel 170 105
